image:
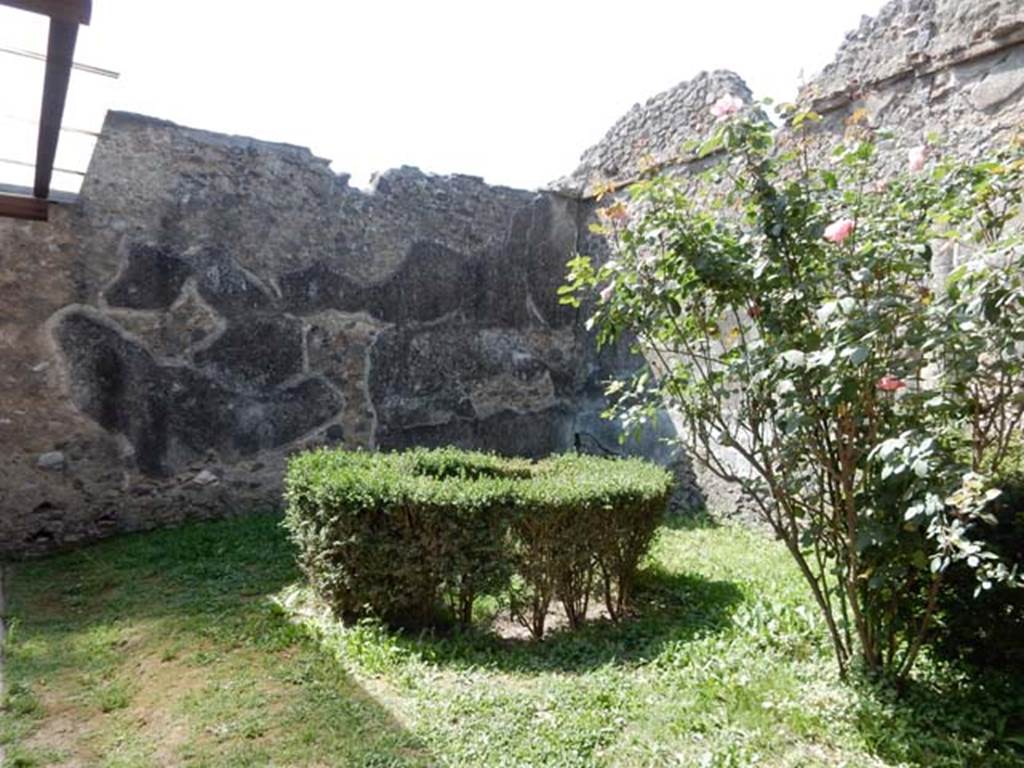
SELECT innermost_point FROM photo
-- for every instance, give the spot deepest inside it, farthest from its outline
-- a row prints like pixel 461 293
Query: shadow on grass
pixel 669 608
pixel 947 717
pixel 181 624
pixel 690 521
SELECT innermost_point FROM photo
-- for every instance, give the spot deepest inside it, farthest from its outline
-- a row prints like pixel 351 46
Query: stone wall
pixel 652 136
pixel 213 303
pixel 929 69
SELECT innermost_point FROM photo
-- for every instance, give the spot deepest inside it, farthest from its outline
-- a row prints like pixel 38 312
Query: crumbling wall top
pixel 913 37
pixel 653 134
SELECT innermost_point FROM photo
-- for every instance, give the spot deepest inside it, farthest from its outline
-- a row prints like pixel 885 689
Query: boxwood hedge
pixel 416 537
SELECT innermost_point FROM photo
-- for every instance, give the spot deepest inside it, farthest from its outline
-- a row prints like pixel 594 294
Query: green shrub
pixel 987 628
pixel 392 534
pixel 416 537
pixel 787 304
pixel 553 546
pixel 584 518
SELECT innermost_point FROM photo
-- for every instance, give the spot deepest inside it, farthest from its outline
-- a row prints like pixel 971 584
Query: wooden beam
pixel 59 53
pixel 17 207
pixel 65 17
pixel 70 11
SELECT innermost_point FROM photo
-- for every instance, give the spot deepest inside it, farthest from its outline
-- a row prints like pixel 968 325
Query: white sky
pixel 513 92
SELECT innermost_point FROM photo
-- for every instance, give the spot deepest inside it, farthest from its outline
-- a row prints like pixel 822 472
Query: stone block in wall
pixel 1000 83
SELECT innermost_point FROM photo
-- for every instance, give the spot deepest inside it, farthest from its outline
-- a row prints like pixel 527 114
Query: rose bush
pixel 790 316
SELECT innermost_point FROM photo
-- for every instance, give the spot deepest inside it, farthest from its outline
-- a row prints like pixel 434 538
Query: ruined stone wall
pixel 653 136
pixel 213 303
pixel 947 69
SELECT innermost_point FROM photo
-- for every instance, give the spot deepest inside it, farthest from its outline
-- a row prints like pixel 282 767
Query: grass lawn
pixel 198 647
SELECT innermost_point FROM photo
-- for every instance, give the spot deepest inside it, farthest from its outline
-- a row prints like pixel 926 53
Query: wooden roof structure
pixel 65 17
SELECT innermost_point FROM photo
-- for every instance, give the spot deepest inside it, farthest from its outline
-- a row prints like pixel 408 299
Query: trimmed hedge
pixel 416 537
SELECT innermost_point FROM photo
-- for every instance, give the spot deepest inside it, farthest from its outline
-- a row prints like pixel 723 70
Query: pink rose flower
pixel 726 105
pixel 890 383
pixel 839 230
pixel 606 292
pixel 916 158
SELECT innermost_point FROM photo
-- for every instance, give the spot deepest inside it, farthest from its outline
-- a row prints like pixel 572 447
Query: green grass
pixel 199 647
